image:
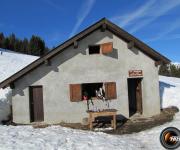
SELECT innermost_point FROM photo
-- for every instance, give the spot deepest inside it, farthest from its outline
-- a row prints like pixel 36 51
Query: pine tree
pixel 34 46
pixel 173 70
pixel 12 39
pixel 178 72
pixel 170 70
pixel 164 70
pixel 17 45
pixel 1 40
pixel 25 43
pixel 6 43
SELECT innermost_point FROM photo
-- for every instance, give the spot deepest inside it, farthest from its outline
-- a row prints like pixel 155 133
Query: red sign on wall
pixel 135 73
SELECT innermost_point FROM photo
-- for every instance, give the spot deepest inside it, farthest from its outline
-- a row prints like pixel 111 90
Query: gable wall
pixel 76 66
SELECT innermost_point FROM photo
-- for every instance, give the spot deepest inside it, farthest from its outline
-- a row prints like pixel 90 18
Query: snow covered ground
pixel 61 138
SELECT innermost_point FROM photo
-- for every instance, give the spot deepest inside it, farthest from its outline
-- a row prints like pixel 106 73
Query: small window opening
pixel 90 89
pixel 95 49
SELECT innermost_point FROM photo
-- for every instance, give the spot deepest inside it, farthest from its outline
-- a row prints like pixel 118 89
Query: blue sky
pixel 155 22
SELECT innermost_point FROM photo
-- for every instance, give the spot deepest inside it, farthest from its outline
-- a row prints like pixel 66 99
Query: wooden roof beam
pixel 75 44
pixel 12 85
pixel 47 62
pixel 130 45
pixel 157 63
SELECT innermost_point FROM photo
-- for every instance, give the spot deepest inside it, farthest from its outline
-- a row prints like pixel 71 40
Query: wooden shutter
pixel 75 92
pixel 107 48
pixel 110 90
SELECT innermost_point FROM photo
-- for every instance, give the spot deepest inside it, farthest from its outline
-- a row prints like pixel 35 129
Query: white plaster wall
pixel 76 66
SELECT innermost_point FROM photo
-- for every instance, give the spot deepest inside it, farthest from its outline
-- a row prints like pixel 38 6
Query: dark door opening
pixel 36 103
pixel 135 96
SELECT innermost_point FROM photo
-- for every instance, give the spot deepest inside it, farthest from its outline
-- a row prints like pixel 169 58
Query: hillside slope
pixel 11 62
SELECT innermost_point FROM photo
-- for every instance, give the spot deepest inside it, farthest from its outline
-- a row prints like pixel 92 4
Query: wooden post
pixel 90 122
pixel 114 118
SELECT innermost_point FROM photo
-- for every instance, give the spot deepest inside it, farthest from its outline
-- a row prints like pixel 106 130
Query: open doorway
pixel 135 96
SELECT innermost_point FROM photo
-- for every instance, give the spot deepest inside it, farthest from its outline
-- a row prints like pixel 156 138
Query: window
pixel 103 48
pixel 78 91
pixel 94 49
pixel 91 88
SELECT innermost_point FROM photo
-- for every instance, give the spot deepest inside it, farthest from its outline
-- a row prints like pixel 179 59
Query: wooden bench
pixel 107 112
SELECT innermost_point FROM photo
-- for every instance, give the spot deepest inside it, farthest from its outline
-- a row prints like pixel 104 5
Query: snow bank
pixel 169 91
pixel 10 63
pixel 5 102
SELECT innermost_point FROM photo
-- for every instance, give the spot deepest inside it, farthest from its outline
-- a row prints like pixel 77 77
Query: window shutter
pixel 107 48
pixel 75 92
pixel 110 90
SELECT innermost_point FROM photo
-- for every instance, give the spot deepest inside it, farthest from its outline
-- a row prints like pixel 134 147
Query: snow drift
pixel 10 63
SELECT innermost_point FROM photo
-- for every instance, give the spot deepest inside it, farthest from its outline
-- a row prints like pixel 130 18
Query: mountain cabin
pixel 102 67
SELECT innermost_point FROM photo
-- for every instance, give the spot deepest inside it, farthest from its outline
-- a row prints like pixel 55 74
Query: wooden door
pixel 132 97
pixel 135 96
pixel 139 96
pixel 36 104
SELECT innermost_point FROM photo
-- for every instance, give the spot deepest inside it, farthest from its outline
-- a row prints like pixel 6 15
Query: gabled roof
pixel 101 24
